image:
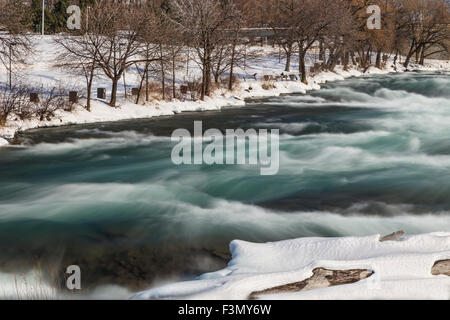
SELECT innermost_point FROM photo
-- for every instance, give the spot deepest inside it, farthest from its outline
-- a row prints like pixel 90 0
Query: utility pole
pixel 87 18
pixel 43 16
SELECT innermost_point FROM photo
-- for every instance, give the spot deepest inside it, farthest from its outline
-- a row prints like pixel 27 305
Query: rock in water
pixel 393 236
pixel 441 267
pixel 321 278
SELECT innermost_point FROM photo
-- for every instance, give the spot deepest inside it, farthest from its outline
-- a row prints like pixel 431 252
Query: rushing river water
pixel 361 156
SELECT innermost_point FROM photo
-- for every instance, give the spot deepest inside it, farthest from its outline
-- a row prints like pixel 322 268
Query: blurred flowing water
pixel 361 156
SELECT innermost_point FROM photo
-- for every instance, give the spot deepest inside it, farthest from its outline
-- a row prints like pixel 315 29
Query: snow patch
pixel 402 269
pixel 3 142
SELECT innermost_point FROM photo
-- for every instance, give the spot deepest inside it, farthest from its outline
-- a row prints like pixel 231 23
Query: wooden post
pixel 101 93
pixel 73 96
pixel 34 97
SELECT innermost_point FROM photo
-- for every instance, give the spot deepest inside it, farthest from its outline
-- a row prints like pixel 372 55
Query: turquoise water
pixel 361 156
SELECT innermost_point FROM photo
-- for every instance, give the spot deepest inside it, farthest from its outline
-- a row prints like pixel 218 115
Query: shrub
pixel 50 101
pixel 14 101
pixel 195 89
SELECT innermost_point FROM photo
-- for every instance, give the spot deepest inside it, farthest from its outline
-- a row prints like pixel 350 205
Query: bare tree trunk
pixel 321 51
pixel 288 62
pixel 124 85
pixel 208 71
pixel 144 76
pixel 233 52
pixel 346 60
pixel 208 78
pixel 288 50
pixel 187 62
pixel 147 96
pixel 173 74
pixel 409 55
pixel 334 56
pixel 147 64
pixel 89 89
pixel 418 53
pixel 216 77
pixel 378 59
pixel 217 71
pixel 163 74
pixel 112 102
pixel 422 56
pixel 302 67
pixel 331 59
pixel 408 58
pixel 203 89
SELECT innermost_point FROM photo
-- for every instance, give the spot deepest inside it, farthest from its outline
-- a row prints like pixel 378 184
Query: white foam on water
pixel 111 140
pixel 295 127
pixel 201 214
pixel 415 144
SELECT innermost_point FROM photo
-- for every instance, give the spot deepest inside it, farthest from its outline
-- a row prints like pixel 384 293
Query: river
pixel 360 156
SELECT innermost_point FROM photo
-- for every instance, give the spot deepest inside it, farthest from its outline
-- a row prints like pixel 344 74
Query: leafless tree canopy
pixel 158 38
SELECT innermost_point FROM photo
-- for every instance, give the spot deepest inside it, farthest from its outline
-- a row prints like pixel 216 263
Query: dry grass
pixel 39 283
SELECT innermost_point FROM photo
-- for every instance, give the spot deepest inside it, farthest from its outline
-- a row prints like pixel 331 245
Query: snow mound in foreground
pixel 402 269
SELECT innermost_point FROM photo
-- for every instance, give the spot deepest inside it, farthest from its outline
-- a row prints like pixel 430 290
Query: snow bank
pixel 43 71
pixel 402 269
pixel 101 112
pixel 3 142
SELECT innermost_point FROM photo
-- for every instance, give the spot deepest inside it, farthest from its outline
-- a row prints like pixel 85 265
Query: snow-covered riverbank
pixel 42 71
pixel 396 270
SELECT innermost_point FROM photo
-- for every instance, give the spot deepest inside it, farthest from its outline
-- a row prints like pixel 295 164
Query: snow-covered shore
pixel 401 269
pixel 42 71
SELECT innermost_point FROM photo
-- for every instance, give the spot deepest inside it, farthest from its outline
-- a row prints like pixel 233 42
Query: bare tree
pixel 316 18
pixel 427 26
pixel 15 44
pixel 149 33
pixel 114 28
pixel 80 55
pixel 281 17
pixel 203 23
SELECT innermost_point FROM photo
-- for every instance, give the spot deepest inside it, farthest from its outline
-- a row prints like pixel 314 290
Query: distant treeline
pixel 55 13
